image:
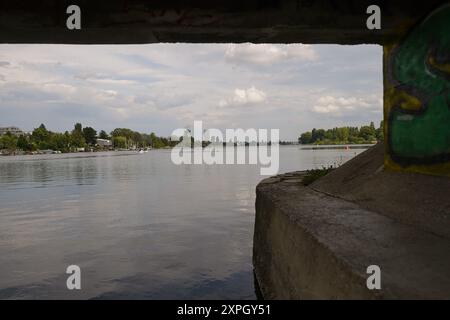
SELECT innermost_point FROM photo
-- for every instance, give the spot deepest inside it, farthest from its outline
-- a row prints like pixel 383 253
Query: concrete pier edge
pixel 313 242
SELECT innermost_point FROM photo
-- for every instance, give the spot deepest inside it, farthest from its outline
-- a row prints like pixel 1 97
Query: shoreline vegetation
pixel 343 135
pixel 43 141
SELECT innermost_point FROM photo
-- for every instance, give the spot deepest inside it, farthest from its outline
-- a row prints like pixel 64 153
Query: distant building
pixel 14 130
pixel 104 143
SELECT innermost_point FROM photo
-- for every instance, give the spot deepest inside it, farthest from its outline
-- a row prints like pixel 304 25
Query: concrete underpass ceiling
pixel 200 21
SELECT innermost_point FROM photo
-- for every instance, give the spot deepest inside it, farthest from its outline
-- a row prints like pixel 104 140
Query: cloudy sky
pixel 161 87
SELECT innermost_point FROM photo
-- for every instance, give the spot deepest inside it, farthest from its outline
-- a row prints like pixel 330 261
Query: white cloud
pixel 103 95
pixel 244 96
pixel 267 54
pixel 158 87
pixel 112 81
pixel 339 105
pixel 59 88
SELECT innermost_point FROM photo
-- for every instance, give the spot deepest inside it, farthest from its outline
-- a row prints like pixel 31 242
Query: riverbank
pixel 69 155
pixel 336 147
pixel 55 152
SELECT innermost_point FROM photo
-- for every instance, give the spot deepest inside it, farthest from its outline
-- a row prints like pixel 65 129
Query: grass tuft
pixel 313 175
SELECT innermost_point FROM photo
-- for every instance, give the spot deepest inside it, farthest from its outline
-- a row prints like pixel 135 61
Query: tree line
pixel 343 135
pixel 43 139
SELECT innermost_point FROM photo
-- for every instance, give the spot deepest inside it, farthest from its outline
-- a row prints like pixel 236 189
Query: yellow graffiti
pixel 443 67
pixel 441 169
pixel 402 99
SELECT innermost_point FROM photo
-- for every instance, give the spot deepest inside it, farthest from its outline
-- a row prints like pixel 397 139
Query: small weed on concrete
pixel 313 175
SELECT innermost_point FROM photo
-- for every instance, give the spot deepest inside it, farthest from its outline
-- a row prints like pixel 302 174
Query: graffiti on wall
pixel 417 97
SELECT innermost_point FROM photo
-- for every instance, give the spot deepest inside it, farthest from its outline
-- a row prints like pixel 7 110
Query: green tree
pixel 136 137
pixel 8 142
pixel 77 138
pixel 103 135
pixel 122 132
pixel 342 134
pixel 90 135
pixel 317 135
pixel 61 142
pixel 367 133
pixel 153 139
pixel 125 133
pixel 40 134
pixel 119 142
pixel 157 142
pixel 305 138
pixel 24 143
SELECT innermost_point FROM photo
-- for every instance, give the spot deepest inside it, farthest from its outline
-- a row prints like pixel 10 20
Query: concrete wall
pixel 290 260
pixel 417 97
pixel 316 241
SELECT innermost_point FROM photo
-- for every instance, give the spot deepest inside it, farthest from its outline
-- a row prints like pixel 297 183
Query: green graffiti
pixel 420 71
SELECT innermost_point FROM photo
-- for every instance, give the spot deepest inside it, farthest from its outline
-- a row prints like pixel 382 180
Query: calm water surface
pixel 139 226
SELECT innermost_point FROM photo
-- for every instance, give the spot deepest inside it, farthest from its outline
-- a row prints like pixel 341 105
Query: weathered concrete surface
pixel 314 244
pixel 258 21
pixel 416 199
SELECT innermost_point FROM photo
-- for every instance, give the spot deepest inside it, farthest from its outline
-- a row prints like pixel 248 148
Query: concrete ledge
pixel 410 198
pixel 311 245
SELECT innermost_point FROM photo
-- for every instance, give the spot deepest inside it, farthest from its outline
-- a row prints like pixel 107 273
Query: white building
pixel 104 143
pixel 14 130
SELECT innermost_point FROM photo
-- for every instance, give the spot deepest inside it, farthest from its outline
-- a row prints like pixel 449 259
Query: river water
pixel 139 226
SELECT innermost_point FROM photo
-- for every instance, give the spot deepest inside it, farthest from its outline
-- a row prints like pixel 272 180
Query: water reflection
pixel 137 225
